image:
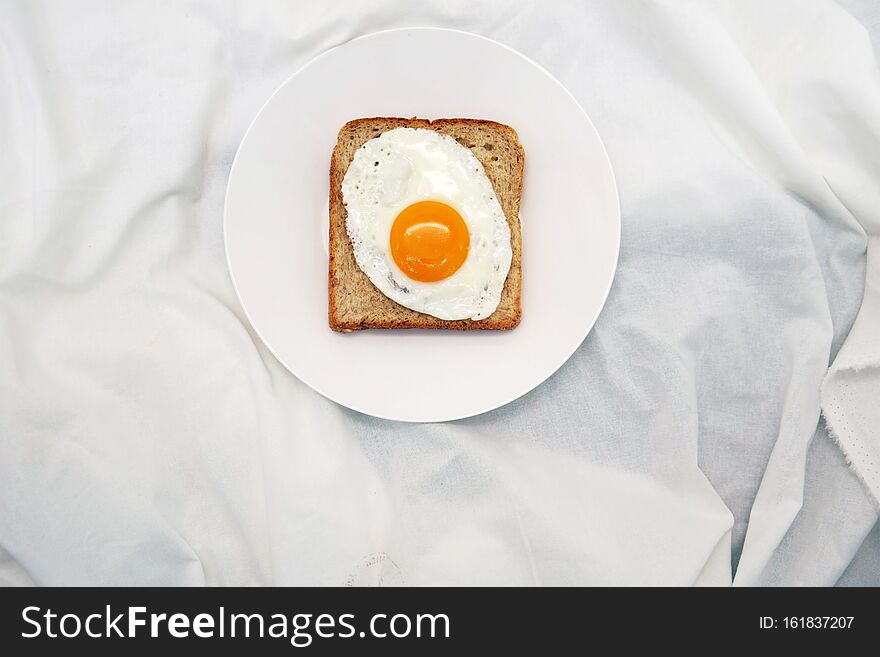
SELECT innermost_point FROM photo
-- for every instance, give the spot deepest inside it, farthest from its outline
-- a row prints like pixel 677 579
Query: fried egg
pixel 425 224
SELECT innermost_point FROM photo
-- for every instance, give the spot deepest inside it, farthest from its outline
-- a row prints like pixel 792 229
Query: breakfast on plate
pixel 424 225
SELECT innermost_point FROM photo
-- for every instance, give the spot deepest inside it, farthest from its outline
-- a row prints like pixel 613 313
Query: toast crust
pixel 354 302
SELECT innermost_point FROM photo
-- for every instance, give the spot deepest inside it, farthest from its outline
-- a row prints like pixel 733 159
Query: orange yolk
pixel 429 241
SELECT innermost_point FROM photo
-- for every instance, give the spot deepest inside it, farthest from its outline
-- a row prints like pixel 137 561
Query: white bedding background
pixel 147 437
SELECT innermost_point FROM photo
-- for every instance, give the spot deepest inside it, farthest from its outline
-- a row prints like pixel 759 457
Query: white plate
pixel 275 224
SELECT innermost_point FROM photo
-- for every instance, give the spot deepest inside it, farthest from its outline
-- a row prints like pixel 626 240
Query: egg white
pixel 407 165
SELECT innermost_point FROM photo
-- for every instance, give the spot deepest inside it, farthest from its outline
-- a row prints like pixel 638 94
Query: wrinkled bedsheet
pixel 148 437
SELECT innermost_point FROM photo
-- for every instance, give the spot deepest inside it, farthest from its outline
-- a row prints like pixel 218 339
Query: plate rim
pixel 616 211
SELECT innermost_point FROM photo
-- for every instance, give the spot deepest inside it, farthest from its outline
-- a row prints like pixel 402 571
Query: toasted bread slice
pixel 355 303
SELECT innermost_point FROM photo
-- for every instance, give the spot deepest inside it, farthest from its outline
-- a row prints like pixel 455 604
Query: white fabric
pixel 147 437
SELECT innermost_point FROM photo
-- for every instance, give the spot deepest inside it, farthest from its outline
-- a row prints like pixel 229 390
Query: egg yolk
pixel 429 241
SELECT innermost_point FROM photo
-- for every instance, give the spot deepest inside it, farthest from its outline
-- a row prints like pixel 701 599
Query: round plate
pixel 275 224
